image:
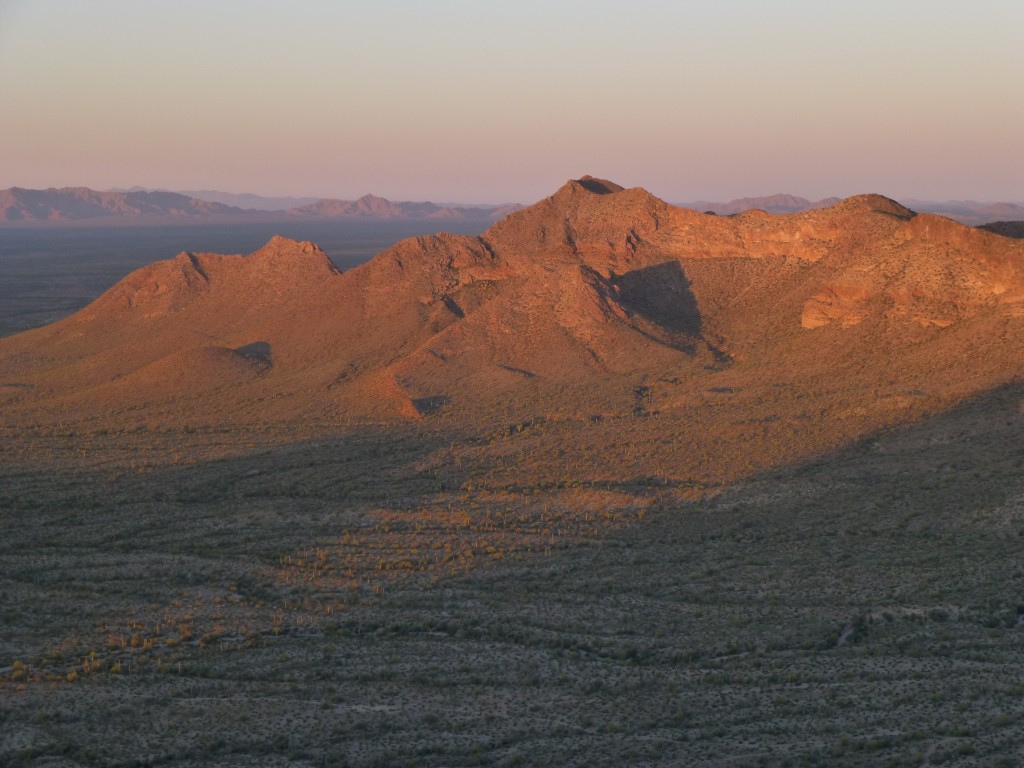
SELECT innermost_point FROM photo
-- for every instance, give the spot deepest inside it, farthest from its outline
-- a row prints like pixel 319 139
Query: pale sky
pixel 479 101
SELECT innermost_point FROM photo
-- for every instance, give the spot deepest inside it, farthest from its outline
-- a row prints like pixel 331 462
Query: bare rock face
pixel 842 303
pixel 280 267
pixel 589 295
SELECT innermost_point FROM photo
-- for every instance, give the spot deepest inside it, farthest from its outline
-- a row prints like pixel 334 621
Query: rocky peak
pixel 874 203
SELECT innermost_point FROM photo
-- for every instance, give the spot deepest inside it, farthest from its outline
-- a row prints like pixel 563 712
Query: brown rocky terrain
pixel 596 303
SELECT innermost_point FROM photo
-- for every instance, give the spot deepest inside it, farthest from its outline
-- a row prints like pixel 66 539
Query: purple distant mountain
pixel 964 211
pixel 80 204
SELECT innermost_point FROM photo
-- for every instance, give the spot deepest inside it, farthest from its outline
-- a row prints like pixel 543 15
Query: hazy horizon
pixel 462 102
pixel 221 195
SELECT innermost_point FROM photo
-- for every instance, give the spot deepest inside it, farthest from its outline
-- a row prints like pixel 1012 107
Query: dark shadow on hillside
pixel 662 295
pixel 426 406
pixel 598 186
pixel 963 459
pixel 1014 229
pixel 257 350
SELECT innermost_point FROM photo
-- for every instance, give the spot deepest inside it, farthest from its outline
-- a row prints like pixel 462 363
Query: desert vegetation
pixel 329 603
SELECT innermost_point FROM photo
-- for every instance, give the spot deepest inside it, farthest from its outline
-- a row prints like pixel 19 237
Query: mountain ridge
pixel 597 302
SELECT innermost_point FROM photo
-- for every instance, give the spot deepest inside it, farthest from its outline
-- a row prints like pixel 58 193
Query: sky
pixel 480 101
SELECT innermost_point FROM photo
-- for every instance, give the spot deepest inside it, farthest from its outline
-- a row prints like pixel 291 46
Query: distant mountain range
pixel 80 204
pixel 780 203
pixel 970 211
pixel 247 201
pixel 138 205
pixel 371 206
pixel 964 211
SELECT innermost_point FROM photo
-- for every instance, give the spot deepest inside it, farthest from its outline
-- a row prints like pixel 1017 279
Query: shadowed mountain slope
pixel 596 306
pixel 1005 228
